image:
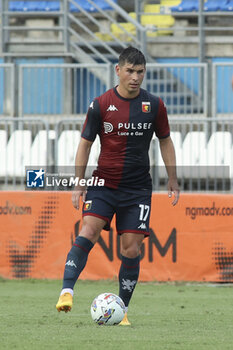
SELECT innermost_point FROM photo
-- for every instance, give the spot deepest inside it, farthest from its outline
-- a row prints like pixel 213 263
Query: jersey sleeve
pixel 161 126
pixel 92 123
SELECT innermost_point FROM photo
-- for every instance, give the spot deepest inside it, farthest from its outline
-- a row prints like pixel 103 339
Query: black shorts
pixel 132 209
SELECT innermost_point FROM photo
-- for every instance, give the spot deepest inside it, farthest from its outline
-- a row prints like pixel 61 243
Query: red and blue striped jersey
pixel 125 127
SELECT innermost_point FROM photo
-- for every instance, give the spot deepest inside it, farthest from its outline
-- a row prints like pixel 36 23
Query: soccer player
pixel 125 118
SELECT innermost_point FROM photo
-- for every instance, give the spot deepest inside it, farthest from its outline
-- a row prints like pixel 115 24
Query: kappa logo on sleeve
pixel 87 205
pixel 146 107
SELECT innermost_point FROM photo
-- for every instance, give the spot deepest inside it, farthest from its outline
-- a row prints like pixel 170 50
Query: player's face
pixel 130 79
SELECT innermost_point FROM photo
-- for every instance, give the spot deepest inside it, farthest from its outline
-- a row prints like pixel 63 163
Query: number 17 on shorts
pixel 144 211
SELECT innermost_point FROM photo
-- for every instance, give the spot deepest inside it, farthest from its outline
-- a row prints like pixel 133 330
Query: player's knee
pixel 89 232
pixel 131 251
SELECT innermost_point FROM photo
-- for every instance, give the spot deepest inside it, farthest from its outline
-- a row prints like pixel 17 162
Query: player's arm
pixel 162 131
pixel 81 160
pixel 90 129
pixel 169 158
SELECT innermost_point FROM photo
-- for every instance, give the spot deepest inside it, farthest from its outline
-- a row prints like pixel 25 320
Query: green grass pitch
pixel 164 316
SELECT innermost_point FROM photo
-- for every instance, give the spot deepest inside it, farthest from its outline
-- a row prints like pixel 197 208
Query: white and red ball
pixel 107 309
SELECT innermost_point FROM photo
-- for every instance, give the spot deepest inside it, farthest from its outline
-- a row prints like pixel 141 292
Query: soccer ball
pixel 107 309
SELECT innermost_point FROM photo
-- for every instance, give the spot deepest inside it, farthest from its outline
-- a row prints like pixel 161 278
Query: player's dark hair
pixel 131 55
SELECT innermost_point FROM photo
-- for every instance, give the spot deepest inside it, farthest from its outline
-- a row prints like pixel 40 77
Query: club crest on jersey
pixel 87 205
pixel 146 108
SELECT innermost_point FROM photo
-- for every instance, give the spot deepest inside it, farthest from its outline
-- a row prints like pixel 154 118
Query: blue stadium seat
pixel 16 6
pixel 49 6
pixel 228 6
pixel 186 6
pixel 55 5
pixel 214 5
pixel 34 6
pixel 88 7
pixel 84 4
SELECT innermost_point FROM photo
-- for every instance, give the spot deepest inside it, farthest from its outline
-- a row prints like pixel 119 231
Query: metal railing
pixel 67 89
pixel 7 86
pixel 202 22
pixel 77 30
pixel 22 142
pixel 99 35
pixel 222 89
pixel 87 42
pixel 20 33
pixel 204 151
pixel 61 89
pixel 183 87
